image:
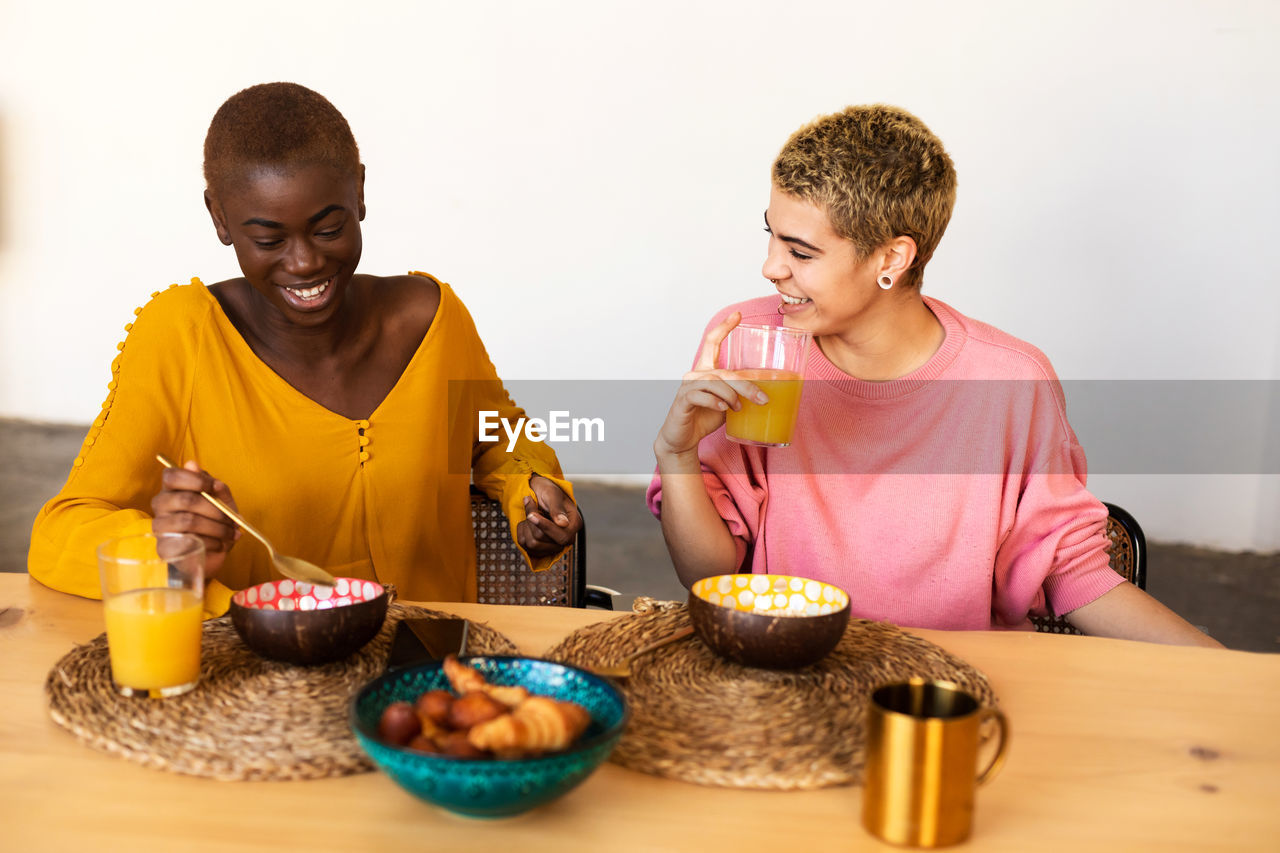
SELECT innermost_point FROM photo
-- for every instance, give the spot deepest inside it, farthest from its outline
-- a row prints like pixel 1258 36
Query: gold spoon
pixel 290 567
pixel 623 670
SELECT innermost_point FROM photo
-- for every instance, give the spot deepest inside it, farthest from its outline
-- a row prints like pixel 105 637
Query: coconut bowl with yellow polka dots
pixel 771 621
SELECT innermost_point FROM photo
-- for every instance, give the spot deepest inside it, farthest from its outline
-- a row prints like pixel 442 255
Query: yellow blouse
pixel 385 498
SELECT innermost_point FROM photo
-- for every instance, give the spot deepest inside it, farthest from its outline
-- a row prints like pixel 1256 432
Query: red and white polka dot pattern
pixel 296 595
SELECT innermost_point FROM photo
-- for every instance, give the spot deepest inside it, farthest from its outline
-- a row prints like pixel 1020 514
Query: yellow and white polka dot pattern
pixel 774 595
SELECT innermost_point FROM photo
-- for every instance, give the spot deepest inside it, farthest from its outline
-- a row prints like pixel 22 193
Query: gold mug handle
pixel 997 760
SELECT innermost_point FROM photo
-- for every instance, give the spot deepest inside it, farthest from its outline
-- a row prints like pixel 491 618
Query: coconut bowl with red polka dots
pixel 300 623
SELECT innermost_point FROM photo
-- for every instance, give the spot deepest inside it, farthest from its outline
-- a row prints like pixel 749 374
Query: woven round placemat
pixel 702 719
pixel 249 718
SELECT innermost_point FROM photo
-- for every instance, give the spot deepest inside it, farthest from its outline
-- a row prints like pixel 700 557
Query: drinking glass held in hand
pixel 774 358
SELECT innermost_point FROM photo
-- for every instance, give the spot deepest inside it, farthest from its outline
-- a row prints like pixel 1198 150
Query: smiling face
pixel 825 286
pixel 296 234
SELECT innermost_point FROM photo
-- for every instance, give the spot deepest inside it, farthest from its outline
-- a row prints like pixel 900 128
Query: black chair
pixel 1128 559
pixel 503 577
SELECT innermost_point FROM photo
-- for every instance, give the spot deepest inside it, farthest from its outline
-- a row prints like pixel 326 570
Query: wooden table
pixel 1116 745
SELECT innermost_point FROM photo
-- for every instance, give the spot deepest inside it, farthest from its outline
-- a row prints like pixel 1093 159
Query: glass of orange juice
pixel 774 358
pixel 152 600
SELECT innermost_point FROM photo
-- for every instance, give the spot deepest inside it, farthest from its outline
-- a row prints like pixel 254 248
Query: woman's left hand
pixel 551 522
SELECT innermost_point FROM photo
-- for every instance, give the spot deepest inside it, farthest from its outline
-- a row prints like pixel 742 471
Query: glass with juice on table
pixel 774 358
pixel 152 602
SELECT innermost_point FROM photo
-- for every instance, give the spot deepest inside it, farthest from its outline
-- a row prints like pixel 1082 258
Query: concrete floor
pixel 1234 596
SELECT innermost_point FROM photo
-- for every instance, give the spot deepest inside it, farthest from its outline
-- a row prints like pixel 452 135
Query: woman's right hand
pixel 705 394
pixel 180 508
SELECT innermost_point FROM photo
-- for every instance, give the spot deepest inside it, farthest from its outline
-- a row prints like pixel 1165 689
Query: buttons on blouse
pixel 363 439
pixel 101 420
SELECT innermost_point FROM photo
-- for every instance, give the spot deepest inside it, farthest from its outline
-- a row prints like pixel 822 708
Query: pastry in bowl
pixel 538 730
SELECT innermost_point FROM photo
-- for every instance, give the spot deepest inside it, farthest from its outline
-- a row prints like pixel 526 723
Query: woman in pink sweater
pixel 932 471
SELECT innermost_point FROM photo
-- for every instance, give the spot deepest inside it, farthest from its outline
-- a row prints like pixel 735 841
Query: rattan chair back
pixel 503 577
pixel 1128 559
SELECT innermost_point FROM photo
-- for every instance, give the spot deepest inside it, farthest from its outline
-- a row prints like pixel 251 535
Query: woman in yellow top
pixel 338 411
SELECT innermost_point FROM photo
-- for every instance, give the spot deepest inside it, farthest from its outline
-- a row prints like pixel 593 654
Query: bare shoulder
pixel 232 295
pixel 412 298
pixel 419 289
pixel 407 305
pixel 231 285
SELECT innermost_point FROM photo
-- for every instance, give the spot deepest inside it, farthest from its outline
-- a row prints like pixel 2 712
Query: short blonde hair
pixel 879 173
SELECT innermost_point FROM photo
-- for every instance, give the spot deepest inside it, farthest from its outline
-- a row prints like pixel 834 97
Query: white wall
pixel 591 176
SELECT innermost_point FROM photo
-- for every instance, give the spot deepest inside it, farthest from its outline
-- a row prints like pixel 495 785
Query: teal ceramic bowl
pixel 491 788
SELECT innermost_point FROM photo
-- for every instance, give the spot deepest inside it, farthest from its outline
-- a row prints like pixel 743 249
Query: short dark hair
pixel 276 126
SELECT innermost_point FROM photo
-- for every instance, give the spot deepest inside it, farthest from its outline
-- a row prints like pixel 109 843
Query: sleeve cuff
pixel 515 490
pixel 217 599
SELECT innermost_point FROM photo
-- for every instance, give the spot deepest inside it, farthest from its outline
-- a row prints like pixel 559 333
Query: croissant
pixel 466 680
pixel 429 729
pixel 538 724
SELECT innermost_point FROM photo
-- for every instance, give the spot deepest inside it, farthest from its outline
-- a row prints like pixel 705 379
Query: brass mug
pixel 921 762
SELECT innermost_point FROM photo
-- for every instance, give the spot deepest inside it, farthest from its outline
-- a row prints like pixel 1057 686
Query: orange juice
pixel 153 637
pixel 771 423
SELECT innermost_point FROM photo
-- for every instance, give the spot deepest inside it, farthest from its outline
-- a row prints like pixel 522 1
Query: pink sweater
pixel 953 497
